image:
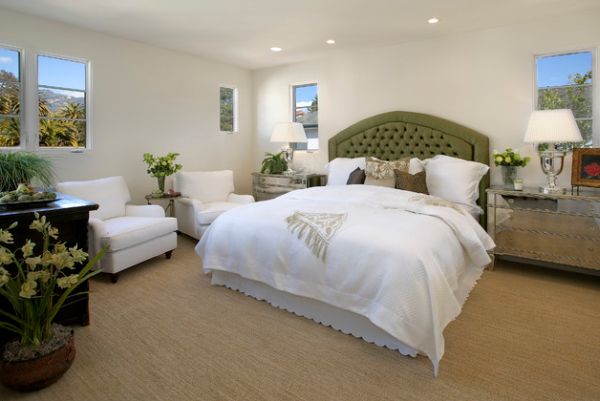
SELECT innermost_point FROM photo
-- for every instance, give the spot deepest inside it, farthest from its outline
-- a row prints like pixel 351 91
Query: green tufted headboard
pixel 390 136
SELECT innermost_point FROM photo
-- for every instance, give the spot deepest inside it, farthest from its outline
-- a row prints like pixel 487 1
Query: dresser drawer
pixel 560 224
pixel 554 248
pixel 568 206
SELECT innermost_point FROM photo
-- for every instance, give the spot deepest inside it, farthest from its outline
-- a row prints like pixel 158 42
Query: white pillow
pixel 415 166
pixel 339 169
pixel 454 179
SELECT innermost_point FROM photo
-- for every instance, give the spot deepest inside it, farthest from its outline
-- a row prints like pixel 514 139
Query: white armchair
pixel 132 233
pixel 205 196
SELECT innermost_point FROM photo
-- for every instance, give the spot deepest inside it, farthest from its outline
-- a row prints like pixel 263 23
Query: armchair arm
pixel 189 202
pixel 144 211
pixel 242 199
pixel 96 230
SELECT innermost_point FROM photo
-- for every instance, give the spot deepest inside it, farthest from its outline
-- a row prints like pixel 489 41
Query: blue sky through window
pixel 305 95
pixel 9 61
pixel 60 72
pixel 555 70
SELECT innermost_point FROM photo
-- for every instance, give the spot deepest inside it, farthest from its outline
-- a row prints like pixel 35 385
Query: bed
pixel 389 266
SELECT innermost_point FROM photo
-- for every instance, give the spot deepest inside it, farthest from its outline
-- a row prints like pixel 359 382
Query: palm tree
pixel 72 111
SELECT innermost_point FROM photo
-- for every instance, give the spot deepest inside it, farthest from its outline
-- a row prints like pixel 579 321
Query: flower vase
pixel 509 174
pixel 161 184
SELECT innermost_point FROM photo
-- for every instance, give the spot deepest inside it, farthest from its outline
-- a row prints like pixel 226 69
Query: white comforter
pixel 398 259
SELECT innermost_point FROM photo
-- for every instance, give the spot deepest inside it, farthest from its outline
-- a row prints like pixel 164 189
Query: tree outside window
pixel 564 81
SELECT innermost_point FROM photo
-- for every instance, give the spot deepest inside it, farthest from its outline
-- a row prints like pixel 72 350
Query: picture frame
pixel 585 171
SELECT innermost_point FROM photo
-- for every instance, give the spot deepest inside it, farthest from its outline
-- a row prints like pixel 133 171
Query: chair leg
pixel 114 277
pixel 168 254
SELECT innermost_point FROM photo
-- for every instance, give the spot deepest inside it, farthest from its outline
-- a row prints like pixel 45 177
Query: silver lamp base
pixel 288 154
pixel 552 162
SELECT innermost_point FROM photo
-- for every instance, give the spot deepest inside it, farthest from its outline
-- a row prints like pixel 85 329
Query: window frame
pixel 23 140
pixel 29 116
pixel 235 108
pixel 293 108
pixel 35 121
pixel 595 97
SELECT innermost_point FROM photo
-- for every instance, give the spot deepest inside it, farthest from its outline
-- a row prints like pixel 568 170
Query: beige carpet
pixel 163 333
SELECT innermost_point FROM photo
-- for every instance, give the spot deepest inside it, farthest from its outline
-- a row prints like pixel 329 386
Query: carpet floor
pixel 164 333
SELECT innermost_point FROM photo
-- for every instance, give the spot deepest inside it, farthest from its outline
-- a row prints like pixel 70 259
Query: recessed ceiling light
pixel 433 20
pixel 330 41
pixel 276 49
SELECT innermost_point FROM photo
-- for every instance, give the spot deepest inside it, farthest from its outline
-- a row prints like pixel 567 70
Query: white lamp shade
pixel 289 132
pixel 552 126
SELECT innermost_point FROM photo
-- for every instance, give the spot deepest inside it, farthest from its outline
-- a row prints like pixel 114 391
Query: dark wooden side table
pixel 70 215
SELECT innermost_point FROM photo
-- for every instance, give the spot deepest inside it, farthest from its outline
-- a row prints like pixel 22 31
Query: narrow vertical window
pixel 228 121
pixel 62 91
pixel 305 109
pixel 564 81
pixel 10 97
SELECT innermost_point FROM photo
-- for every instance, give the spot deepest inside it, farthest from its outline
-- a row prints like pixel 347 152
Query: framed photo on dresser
pixel 586 167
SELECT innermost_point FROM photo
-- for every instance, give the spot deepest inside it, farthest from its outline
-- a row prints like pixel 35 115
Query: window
pixel 564 81
pixel 10 97
pixel 62 102
pixel 305 110
pixel 228 121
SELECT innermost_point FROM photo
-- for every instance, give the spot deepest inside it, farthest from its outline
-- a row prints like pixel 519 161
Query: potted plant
pixel 21 168
pixel 161 167
pixel 509 160
pixel 35 286
pixel 274 163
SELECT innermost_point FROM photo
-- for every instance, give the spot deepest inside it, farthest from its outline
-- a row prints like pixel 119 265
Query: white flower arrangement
pixel 37 286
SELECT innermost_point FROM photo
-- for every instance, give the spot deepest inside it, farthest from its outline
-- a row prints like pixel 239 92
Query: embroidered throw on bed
pixel 316 229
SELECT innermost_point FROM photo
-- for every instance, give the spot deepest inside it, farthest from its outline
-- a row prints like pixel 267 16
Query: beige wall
pixel 144 99
pixel 484 80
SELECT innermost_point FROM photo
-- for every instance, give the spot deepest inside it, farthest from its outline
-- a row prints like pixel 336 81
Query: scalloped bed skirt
pixel 342 320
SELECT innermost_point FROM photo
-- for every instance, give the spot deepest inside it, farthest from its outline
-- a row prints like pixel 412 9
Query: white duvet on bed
pixel 404 261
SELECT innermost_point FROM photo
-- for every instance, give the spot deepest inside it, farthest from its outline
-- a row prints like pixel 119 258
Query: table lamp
pixel 289 133
pixel 552 127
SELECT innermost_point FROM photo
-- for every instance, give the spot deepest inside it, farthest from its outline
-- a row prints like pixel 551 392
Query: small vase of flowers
pixel 161 167
pixel 509 160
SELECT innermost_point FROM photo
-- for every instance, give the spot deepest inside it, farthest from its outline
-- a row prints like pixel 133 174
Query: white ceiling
pixel 241 32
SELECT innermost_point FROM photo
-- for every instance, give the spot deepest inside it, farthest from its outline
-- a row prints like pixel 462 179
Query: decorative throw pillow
pixel 340 168
pixel 411 182
pixel 381 172
pixel 357 177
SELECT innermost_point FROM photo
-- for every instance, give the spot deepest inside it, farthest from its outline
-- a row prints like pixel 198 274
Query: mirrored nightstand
pixel 269 186
pixel 560 230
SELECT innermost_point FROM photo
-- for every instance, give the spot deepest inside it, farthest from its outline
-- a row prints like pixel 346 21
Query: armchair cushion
pixel 125 232
pixel 210 211
pixel 241 199
pixel 144 211
pixel 110 193
pixel 205 186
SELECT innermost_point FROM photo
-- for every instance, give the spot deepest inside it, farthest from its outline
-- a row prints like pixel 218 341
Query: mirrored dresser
pixel 269 186
pixel 557 230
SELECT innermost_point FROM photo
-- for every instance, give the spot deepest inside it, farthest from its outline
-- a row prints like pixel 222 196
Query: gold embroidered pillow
pixel 411 182
pixel 381 172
